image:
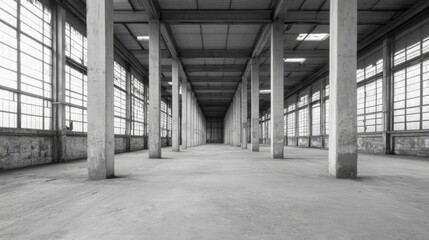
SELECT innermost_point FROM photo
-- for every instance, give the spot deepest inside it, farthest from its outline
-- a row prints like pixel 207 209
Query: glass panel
pixel 303 122
pixel 8 109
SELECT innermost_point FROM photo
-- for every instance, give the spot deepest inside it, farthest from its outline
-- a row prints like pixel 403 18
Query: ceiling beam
pixel 142 54
pixel 291 68
pixel 314 53
pixel 261 40
pixel 237 68
pixel 130 16
pixel 231 53
pixel 214 68
pixel 214 53
pixel 193 16
pixel 214 79
pixel 214 88
pixel 215 16
pixel 373 17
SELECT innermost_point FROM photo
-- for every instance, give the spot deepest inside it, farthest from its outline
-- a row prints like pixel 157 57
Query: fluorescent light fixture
pixel 142 38
pixel 312 37
pixel 265 91
pixel 294 60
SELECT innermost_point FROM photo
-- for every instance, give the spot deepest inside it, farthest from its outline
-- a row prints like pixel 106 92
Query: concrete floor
pixel 218 192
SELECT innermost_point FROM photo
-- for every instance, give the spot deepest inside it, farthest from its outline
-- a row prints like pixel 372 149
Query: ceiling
pixel 214 40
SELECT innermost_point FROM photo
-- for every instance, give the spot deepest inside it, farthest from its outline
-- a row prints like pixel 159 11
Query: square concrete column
pixel 154 90
pixel 176 110
pixel 192 121
pixel 277 90
pixel 244 113
pixel 101 138
pixel 184 113
pixel 254 74
pixel 58 113
pixel 188 116
pixel 238 117
pixel 194 139
pixel 343 89
pixel 233 107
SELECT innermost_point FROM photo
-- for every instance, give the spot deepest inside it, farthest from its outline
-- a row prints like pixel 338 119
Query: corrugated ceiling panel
pixel 393 4
pixel 250 4
pixel 187 36
pixel 174 4
pixel 240 41
pixel 214 36
pixel 211 4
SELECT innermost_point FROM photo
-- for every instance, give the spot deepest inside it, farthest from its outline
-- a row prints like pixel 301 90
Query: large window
pixel 326 101
pixel 315 109
pixel 265 122
pixel 137 106
pixel 410 81
pixel 369 107
pixel 120 98
pixel 76 80
pixel 291 118
pixel 303 113
pixel 369 93
pixel 26 66
pixel 164 130
pixel 169 121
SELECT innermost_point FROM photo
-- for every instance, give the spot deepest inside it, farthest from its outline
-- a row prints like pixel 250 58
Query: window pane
pixel 36 113
pixel 8 109
pixel 315 121
pixel 303 122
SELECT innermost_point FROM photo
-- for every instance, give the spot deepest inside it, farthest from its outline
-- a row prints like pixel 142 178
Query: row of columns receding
pixel 343 88
pixel 100 109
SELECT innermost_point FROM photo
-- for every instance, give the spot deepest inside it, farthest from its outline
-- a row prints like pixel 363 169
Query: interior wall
pixel 214 128
pixel 23 148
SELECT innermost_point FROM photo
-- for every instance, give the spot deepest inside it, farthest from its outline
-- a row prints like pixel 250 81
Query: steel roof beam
pixel 373 17
pixel 215 16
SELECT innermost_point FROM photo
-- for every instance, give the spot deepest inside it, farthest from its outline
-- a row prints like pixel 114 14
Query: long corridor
pixel 218 192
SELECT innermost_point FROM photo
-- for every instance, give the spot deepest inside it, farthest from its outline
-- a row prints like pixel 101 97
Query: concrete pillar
pixel 244 113
pixel 184 113
pixel 191 114
pixel 322 113
pixel 101 139
pixel 154 90
pixel 195 122
pixel 238 116
pixel 343 89
pixel 233 108
pixel 277 90
pixel 188 116
pixel 386 94
pixel 59 95
pixel 254 74
pixel 193 119
pixel 176 110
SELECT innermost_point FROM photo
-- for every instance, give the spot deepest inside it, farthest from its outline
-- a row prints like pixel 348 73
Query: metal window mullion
pixel 18 50
pixel 421 92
